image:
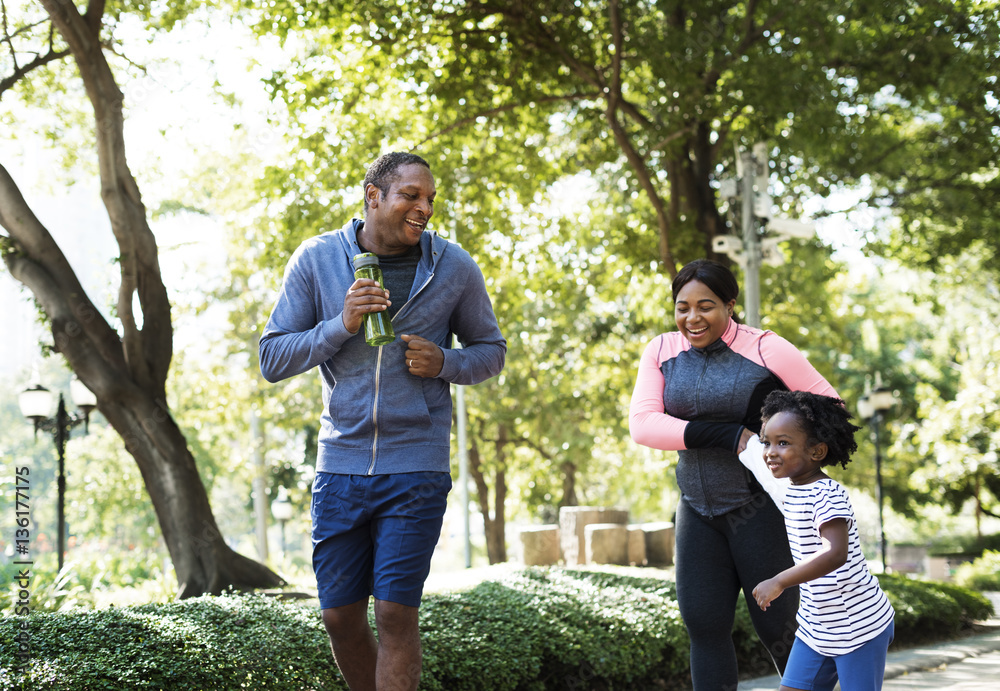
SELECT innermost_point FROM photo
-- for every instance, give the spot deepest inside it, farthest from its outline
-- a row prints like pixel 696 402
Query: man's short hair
pixel 383 172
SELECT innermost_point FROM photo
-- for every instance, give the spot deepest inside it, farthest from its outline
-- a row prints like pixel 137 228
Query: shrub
pixel 931 610
pixel 129 578
pixel 50 592
pixel 534 630
pixel 971 545
pixel 231 642
pixel 982 574
pixel 554 628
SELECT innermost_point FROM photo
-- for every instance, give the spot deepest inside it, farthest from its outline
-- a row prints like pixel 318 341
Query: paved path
pixel 969 664
pixel 979 673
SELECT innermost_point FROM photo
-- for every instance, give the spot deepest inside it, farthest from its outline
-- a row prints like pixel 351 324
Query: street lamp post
pixel 281 509
pixel 36 403
pixel 761 232
pixel 872 407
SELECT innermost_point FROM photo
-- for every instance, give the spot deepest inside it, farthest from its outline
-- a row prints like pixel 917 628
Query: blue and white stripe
pixel 843 610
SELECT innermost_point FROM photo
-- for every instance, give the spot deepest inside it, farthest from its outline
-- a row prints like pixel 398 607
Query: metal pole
pixel 259 488
pixel 284 545
pixel 62 426
pixel 751 244
pixel 876 420
pixel 463 475
pixel 463 464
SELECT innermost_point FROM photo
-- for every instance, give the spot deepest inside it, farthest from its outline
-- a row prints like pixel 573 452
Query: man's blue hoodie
pixel 377 417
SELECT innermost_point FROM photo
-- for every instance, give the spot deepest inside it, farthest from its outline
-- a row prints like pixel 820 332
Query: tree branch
pixel 20 72
pixel 616 54
pixel 501 109
pixel 148 351
pixel 35 260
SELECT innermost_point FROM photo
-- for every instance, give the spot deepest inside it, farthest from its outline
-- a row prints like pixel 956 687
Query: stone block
pixel 659 543
pixel 539 545
pixel 572 522
pixel 636 545
pixel 606 543
pixel 938 569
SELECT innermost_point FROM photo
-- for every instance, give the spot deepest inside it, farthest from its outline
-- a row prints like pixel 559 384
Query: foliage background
pixel 288 104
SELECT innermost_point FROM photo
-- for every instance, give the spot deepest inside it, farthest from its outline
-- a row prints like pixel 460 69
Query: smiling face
pixel 700 314
pixel 394 222
pixel 787 450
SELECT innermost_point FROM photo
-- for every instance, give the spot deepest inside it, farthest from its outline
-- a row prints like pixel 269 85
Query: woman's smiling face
pixel 700 314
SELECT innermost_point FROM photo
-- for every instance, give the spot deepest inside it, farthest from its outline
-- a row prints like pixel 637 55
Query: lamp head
pixel 875 403
pixel 36 404
pixel 281 508
pixel 83 398
pixel 882 399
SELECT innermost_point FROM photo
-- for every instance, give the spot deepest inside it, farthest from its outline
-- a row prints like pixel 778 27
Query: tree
pixel 640 104
pixel 955 432
pixel 652 98
pixel 920 134
pixel 127 371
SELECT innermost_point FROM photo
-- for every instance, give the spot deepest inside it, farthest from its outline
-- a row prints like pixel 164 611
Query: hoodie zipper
pixel 419 290
pixel 378 377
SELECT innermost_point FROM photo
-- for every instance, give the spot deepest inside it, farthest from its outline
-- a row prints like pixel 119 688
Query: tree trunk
pixel 126 372
pixel 569 485
pixel 494 526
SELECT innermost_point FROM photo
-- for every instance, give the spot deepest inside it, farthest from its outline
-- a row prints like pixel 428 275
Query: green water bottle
pixel 378 327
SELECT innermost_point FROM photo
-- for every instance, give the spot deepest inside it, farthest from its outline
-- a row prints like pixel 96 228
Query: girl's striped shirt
pixel 843 610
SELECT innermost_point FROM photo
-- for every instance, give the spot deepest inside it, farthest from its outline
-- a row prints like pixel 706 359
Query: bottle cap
pixel 365 259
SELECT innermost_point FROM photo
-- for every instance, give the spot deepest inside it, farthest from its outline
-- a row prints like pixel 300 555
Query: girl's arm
pixel 831 557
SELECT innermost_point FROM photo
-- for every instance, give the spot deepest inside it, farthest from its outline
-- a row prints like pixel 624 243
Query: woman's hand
pixel 744 438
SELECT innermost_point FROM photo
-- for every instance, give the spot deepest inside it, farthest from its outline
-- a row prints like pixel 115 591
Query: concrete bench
pixel 572 522
pixel 636 546
pixel 659 543
pixel 539 545
pixel 606 543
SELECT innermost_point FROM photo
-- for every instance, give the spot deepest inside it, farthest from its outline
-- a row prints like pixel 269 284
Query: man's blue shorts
pixel 375 535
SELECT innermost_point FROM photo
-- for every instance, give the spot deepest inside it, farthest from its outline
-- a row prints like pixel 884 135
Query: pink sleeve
pixel 789 364
pixel 647 422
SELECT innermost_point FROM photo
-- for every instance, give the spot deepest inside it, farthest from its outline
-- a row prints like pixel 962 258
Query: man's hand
pixel 363 297
pixel 423 357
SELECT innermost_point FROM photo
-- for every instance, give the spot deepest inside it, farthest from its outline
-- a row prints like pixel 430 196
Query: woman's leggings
pixel 715 558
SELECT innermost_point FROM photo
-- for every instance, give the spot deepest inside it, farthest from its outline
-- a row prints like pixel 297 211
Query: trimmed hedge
pixel 534 630
pixel 932 610
pixel 981 574
pixel 230 642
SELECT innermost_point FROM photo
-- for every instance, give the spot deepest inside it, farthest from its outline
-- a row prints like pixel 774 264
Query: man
pixel 383 467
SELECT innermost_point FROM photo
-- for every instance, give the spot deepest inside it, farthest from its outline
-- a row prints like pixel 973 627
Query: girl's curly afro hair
pixel 823 418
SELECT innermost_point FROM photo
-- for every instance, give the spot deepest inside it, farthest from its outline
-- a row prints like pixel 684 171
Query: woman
pixel 699 391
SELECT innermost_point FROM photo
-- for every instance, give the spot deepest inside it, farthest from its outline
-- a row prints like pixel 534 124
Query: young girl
pixel 845 620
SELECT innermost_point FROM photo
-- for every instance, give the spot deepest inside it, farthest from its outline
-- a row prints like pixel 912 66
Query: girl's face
pixel 700 314
pixel 787 451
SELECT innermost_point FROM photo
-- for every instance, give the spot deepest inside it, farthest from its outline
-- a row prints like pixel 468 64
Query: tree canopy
pixel 578 148
pixel 125 364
